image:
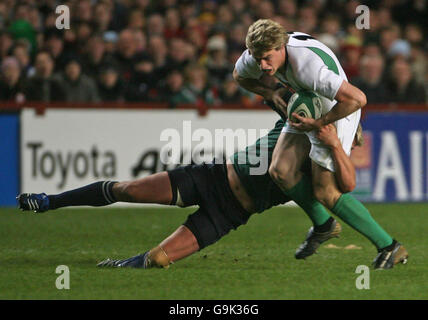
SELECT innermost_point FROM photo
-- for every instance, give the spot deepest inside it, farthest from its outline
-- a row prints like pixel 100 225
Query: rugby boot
pixel 389 257
pixel 139 261
pixel 314 239
pixel 37 202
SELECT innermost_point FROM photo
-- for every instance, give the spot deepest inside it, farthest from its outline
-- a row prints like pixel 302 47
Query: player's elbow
pixel 362 99
pixel 359 98
pixel 235 75
pixel 347 186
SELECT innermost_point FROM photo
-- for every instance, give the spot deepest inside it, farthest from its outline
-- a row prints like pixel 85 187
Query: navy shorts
pixel 207 186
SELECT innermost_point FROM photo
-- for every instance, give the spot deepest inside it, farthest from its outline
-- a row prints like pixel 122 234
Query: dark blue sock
pixel 96 194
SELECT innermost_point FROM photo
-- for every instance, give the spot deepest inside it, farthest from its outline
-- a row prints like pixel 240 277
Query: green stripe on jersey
pixel 328 60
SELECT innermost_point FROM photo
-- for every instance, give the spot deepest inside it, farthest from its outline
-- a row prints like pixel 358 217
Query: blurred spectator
pixel 172 90
pixel 136 20
pixel 399 48
pixel 371 80
pixel 173 27
pixel 173 34
pixel 351 53
pixel 419 64
pixel 236 39
pixel 110 87
pixel 126 53
pixel 265 10
pixel 140 40
pixel 217 65
pixel 195 36
pixel 102 17
pixel 54 44
pixel 403 87
pixel 21 51
pixel 83 33
pixel 287 8
pixel 155 25
pixel 414 35
pixel 330 36
pixel 11 84
pixel 6 43
pixel 177 55
pixel 158 51
pixel 21 27
pixel 95 57
pixel 77 86
pixel 307 20
pixel 230 91
pixel 110 39
pixel 43 86
pixel 197 89
pixel 388 36
pixel 141 81
pixel 83 10
pixel 224 19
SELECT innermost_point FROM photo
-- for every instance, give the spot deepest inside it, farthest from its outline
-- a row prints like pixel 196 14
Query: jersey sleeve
pixel 247 66
pixel 314 74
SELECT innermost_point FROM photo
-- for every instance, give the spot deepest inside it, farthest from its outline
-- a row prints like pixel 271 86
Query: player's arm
pixel 266 86
pixel 349 99
pixel 345 170
pixel 313 74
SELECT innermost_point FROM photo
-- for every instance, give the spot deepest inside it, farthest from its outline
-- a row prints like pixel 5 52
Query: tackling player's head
pixel 266 41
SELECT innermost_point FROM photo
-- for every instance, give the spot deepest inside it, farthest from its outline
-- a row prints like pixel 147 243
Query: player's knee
pixel 125 191
pixel 281 175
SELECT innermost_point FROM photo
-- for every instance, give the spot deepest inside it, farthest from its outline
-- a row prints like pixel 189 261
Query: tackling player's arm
pixel 344 169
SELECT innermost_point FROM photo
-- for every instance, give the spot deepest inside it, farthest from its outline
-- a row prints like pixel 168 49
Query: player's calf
pixel 327 195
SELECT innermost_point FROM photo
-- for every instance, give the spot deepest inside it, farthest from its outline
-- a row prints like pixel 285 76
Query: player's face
pixel 270 61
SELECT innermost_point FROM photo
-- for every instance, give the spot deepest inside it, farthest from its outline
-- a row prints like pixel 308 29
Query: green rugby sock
pixel 302 193
pixel 358 217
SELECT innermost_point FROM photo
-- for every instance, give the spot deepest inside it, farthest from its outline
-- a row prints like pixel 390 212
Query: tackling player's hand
pixel 276 98
pixel 305 124
pixel 328 135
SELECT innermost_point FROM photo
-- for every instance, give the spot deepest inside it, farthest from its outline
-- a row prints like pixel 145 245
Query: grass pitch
pixel 254 262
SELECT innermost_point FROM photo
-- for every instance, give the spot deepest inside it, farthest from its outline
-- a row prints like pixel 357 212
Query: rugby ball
pixel 306 104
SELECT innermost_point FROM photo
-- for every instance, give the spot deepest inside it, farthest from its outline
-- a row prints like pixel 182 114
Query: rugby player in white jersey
pixel 303 63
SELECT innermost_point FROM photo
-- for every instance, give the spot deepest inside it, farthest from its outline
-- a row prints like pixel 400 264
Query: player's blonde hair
pixel 359 139
pixel 265 35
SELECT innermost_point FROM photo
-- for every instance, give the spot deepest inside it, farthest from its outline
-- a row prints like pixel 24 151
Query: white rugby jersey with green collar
pixel 309 65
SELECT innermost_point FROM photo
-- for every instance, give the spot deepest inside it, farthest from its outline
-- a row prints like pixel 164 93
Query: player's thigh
pixel 291 150
pixel 155 188
pixel 324 184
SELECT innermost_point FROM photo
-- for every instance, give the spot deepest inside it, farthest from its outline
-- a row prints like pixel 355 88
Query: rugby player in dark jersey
pixel 227 195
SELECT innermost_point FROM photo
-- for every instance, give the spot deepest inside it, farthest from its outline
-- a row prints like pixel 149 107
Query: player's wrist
pixel 319 123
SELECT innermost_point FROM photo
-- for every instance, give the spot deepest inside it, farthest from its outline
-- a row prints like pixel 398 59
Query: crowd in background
pixel 183 52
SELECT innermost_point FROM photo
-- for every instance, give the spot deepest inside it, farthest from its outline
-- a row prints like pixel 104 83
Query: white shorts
pixel 320 154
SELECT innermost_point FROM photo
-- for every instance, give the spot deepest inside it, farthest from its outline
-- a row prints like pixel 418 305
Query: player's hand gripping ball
pixel 306 104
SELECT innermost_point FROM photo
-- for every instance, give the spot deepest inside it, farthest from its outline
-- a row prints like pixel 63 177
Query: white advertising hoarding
pixel 65 149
